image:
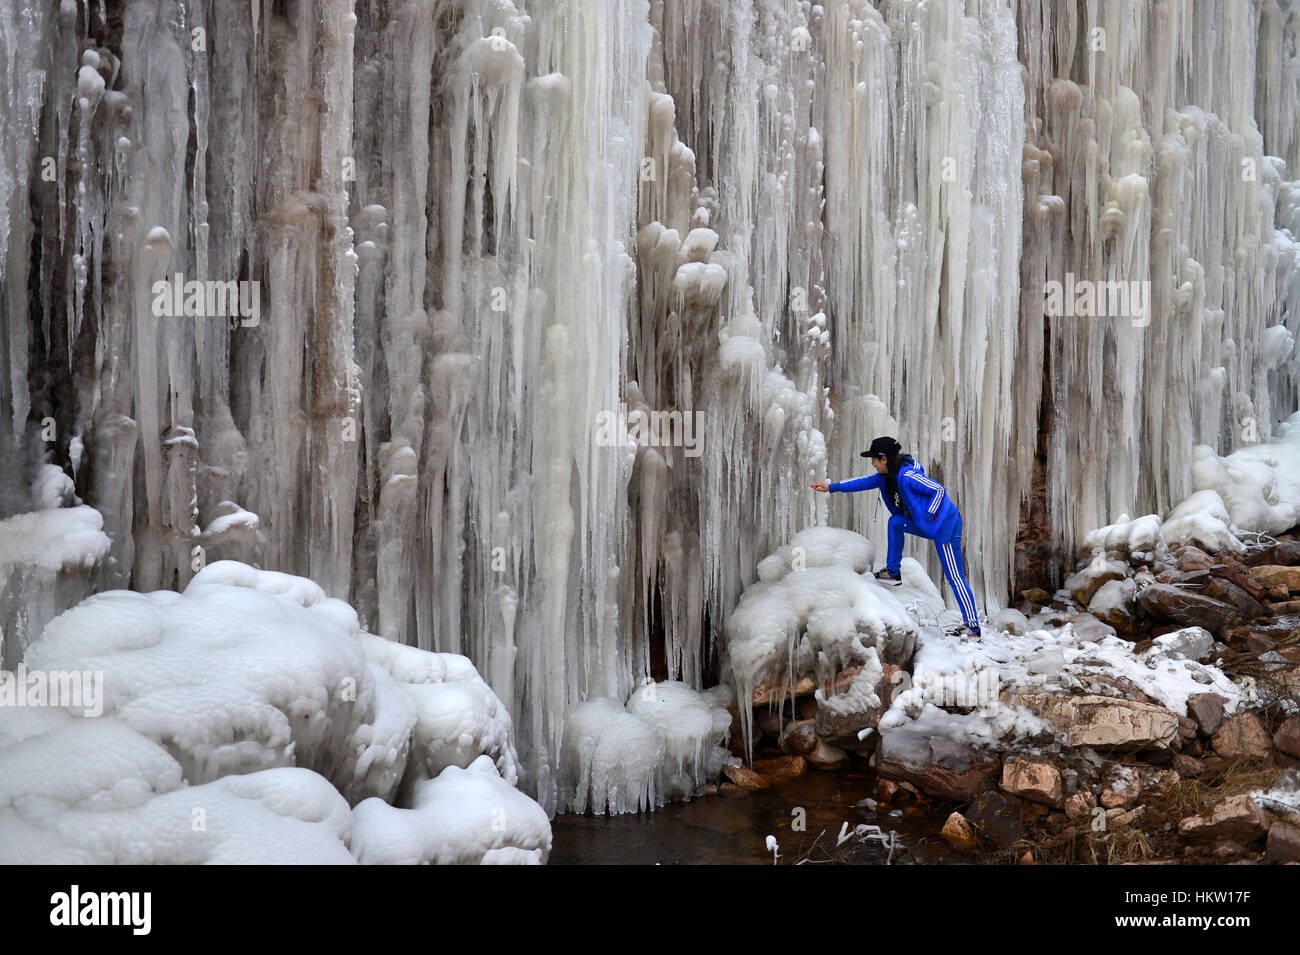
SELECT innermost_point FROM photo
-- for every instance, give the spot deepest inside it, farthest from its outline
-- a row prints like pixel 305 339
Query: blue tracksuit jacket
pixel 926 503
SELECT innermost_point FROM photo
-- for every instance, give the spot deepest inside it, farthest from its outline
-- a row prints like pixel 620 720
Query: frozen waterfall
pixel 524 326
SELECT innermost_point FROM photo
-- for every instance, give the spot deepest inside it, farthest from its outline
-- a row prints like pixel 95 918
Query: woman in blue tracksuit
pixel 919 506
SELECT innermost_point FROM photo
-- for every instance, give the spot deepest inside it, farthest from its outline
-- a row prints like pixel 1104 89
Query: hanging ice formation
pixel 480 231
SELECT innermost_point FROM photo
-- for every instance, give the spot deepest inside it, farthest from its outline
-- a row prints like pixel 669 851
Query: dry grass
pixel 1195 796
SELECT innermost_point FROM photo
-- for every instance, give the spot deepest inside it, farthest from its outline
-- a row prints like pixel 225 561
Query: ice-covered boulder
pixel 245 670
pixel 240 719
pixel 1127 535
pixel 816 611
pixel 77 790
pixel 457 716
pixel 1201 519
pixel 464 816
pixel 818 547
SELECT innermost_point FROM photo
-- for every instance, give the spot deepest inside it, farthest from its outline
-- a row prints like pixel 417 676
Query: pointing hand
pixel 820 486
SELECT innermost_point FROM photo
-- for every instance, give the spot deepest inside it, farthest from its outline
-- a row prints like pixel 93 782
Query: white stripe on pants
pixel 950 558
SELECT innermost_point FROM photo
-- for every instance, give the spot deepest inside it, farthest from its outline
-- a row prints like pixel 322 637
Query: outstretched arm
pixel 854 484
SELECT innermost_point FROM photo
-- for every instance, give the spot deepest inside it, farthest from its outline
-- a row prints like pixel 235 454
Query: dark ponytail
pixel 895 463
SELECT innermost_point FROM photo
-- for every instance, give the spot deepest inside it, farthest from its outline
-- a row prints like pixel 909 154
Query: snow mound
pixel 457 717
pixel 818 547
pixel 1259 484
pixel 246 670
pixel 1253 490
pixel 94 791
pixel 241 718
pixel 465 816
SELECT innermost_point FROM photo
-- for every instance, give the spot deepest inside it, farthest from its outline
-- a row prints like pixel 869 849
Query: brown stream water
pixel 729 829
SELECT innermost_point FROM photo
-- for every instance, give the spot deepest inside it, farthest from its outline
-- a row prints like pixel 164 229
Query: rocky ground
pixel 1147 712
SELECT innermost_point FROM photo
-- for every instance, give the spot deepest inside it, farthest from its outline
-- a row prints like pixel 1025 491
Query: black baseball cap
pixel 885 445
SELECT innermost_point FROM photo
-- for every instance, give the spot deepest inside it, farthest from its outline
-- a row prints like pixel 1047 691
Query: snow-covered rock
pixel 463 816
pixel 821 616
pixel 253 703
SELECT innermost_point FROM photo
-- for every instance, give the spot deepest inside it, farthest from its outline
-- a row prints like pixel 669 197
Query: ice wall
pixel 1161 150
pixel 559 306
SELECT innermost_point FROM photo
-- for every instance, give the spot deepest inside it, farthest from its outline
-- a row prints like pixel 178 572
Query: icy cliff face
pixel 527 325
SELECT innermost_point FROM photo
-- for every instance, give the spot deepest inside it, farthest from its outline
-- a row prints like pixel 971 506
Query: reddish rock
pixel 888 790
pixel 942 767
pixel 765 695
pixel 1277 575
pixel 827 757
pixel 1230 593
pixel 1207 710
pixel 799 739
pixel 1079 806
pixel 1124 819
pixel 1189 767
pixel 1034 779
pixel 996 816
pixel 1286 553
pixel 744 777
pixel 1283 843
pixel 1243 737
pixel 1167 602
pixel 781 768
pixel 1121 787
pixel 1157 783
pixel 1287 737
pixel 1236 818
pixel 1192 558
pixel 960 834
pixel 1239 575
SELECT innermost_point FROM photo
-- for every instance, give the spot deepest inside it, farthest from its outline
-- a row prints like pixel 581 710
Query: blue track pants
pixel 949 556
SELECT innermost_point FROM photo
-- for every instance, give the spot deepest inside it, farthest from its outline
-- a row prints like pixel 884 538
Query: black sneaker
pixel 887 576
